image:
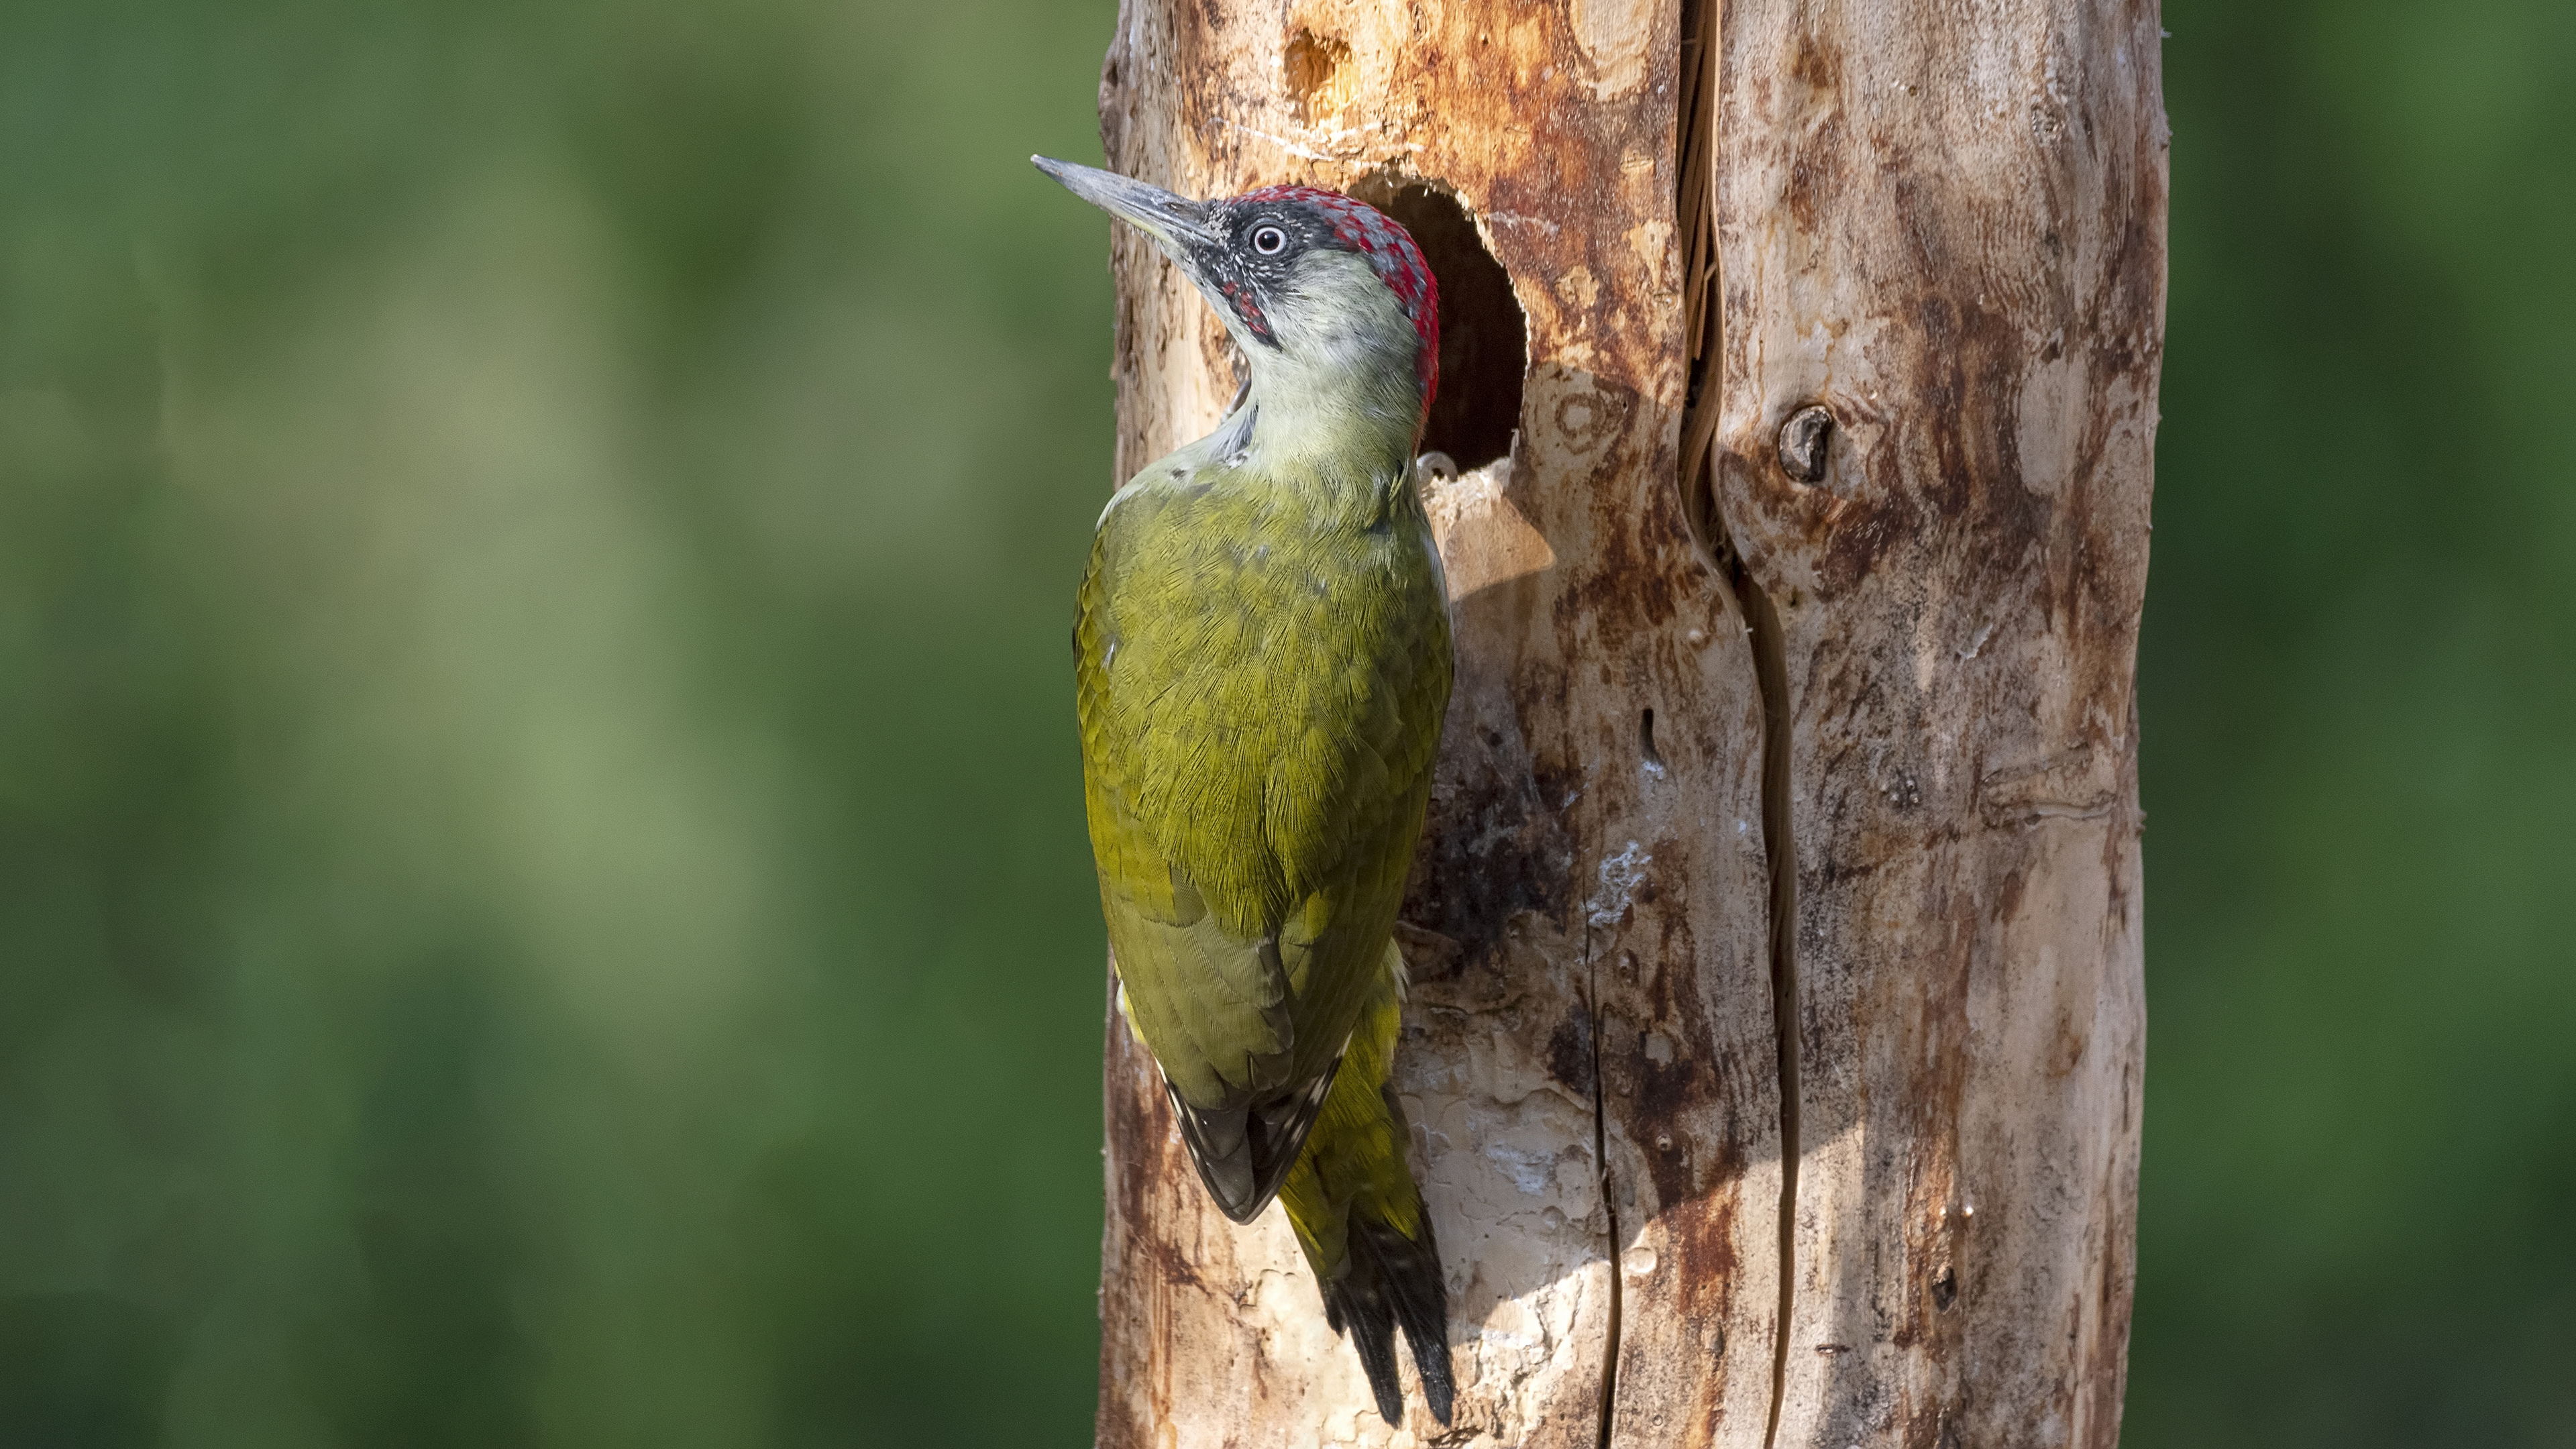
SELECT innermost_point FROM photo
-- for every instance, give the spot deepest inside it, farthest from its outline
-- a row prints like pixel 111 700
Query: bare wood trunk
pixel 1943 224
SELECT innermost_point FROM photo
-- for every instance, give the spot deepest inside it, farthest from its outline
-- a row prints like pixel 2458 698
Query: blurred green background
pixel 542 892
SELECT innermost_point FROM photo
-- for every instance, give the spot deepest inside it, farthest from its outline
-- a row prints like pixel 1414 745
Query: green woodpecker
pixel 1262 654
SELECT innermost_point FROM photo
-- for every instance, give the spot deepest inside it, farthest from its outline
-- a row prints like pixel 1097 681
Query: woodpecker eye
pixel 1270 241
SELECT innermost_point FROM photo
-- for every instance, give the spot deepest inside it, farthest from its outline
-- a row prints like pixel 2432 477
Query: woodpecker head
pixel 1328 297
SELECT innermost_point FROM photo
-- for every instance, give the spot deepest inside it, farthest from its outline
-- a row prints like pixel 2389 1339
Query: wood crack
pixel 1609 1205
pixel 1703 331
pixel 1780 858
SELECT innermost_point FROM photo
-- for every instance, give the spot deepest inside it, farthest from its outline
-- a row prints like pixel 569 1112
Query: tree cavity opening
pixel 1484 340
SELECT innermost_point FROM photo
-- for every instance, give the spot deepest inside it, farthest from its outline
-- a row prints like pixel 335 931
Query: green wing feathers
pixel 1260 691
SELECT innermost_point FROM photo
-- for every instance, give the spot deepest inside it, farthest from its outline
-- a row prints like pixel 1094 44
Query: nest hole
pixel 1484 340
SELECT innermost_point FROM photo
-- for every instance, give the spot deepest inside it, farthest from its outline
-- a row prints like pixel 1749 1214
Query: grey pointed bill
pixel 1176 222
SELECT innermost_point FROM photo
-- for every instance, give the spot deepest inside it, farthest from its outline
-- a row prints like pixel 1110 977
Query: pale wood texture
pixel 1944 223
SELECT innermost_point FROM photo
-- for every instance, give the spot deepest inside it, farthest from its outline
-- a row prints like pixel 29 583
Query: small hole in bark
pixel 1314 65
pixel 1945 1290
pixel 1646 745
pixel 1484 341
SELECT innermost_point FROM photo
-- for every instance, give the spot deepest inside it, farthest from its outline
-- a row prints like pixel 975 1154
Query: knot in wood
pixel 1802 442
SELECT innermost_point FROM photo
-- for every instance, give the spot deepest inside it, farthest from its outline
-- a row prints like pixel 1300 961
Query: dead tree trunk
pixel 1775 1042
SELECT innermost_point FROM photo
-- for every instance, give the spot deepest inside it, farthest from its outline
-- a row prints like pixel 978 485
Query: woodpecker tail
pixel 1360 1218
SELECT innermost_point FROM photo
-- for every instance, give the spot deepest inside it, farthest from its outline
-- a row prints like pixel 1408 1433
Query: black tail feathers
pixel 1390 1282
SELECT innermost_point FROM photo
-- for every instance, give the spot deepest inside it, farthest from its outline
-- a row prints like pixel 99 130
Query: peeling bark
pixel 1943 223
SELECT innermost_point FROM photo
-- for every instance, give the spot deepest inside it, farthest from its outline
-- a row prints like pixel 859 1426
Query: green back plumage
pixel 1263 659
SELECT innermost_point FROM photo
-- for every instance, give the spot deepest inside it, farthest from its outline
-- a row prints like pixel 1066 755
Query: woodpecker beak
pixel 1177 224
